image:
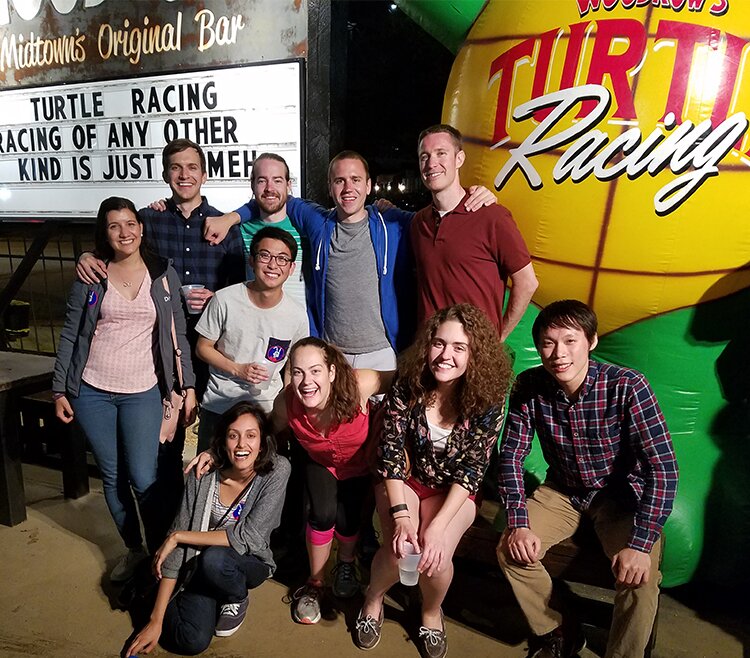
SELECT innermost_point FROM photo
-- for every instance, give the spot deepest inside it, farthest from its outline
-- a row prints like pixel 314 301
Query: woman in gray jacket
pixel 221 536
pixel 116 369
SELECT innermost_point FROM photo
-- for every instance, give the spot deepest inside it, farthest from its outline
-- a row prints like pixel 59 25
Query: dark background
pixel 396 76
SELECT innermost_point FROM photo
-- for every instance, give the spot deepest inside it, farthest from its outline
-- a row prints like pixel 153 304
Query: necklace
pixel 126 284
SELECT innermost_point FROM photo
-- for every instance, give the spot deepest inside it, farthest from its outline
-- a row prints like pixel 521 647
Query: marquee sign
pixel 64 148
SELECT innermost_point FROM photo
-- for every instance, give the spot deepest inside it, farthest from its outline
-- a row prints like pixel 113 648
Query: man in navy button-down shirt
pixel 610 459
pixel 177 233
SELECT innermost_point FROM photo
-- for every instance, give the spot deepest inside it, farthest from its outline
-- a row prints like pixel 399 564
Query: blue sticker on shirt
pixel 237 511
pixel 277 349
pixel 92 298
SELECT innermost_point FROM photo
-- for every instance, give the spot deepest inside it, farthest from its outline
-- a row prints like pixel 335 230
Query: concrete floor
pixel 55 601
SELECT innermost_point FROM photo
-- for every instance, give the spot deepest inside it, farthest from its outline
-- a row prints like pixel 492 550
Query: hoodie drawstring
pixel 385 255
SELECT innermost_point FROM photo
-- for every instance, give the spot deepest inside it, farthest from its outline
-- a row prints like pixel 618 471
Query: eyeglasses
pixel 282 260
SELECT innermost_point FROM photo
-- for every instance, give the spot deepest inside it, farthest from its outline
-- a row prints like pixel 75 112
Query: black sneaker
pixel 345 581
pixel 557 645
pixel 434 642
pixel 367 631
pixel 231 616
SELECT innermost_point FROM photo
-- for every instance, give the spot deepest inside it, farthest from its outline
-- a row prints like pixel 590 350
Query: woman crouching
pixel 220 536
pixel 442 420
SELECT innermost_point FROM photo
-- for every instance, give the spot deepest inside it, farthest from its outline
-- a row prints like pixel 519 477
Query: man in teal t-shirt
pixel 271 187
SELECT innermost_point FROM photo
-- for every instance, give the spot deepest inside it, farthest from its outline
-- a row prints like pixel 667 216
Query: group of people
pixel 409 307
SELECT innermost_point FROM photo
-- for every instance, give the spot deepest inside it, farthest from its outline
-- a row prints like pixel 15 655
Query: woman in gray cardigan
pixel 116 369
pixel 221 536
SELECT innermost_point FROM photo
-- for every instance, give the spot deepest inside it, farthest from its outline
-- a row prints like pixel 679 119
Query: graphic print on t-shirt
pixel 277 349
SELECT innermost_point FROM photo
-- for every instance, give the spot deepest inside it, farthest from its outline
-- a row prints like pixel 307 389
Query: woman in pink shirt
pixel 116 369
pixel 327 407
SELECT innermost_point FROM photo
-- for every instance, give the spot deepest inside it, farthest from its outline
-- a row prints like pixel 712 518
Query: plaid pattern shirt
pixel 612 435
pixel 173 236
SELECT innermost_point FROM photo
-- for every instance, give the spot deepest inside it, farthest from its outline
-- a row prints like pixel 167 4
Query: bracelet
pixel 403 516
pixel 57 396
pixel 401 507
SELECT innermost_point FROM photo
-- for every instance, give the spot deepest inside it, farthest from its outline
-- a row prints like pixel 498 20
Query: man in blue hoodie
pixel 361 294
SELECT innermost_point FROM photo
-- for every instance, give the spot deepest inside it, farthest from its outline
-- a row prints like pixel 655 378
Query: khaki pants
pixel 552 518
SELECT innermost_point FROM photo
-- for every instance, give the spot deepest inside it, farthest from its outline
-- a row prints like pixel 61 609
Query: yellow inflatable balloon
pixel 616 131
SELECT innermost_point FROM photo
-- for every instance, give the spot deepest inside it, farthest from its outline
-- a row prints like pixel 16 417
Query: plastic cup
pixel 407 565
pixel 186 291
pixel 272 368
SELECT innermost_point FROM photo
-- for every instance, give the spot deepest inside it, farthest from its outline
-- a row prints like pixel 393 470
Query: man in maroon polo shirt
pixel 462 256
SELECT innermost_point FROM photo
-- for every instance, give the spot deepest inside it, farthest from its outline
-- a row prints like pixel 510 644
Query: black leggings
pixel 334 503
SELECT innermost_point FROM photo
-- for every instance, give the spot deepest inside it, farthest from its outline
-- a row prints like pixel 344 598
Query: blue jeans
pixel 222 576
pixel 123 432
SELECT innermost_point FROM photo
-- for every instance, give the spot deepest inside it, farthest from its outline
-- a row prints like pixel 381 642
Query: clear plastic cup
pixel 186 291
pixel 272 368
pixel 407 565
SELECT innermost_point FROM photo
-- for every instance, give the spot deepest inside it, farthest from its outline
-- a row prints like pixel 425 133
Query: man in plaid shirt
pixel 176 233
pixel 610 459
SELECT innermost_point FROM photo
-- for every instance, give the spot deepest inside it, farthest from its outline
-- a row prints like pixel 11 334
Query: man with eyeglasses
pixel 246 330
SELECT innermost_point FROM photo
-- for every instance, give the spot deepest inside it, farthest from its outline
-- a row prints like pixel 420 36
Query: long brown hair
pixel 343 401
pixel 488 371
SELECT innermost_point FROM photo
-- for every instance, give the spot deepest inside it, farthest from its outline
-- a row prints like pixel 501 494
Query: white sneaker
pixel 126 567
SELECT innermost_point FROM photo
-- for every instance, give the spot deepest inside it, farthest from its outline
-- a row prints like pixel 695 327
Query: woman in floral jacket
pixel 442 420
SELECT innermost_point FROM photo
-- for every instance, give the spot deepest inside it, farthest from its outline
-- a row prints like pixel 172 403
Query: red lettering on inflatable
pixel 729 70
pixel 686 37
pixel 585 6
pixel 720 7
pixel 504 65
pixel 543 58
pixel 570 65
pixel 616 66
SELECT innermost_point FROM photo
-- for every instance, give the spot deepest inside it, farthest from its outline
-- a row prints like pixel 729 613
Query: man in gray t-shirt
pixel 360 292
pixel 246 332
pixel 353 317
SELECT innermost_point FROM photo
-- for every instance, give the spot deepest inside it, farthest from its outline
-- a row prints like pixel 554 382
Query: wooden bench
pixel 20 374
pixel 45 436
pixel 579 559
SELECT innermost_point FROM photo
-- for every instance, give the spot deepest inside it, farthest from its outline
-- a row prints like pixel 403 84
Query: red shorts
pixel 423 491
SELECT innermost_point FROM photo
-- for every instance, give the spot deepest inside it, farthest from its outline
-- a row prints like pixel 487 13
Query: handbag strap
pixel 239 497
pixel 177 350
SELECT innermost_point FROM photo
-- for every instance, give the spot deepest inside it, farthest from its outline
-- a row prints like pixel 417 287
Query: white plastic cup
pixel 407 565
pixel 271 367
pixel 186 291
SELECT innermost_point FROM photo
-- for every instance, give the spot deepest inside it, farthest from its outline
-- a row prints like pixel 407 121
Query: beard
pixel 270 205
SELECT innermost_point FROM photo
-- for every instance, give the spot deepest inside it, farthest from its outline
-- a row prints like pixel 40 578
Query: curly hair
pixel 264 462
pixel 343 400
pixel 488 372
